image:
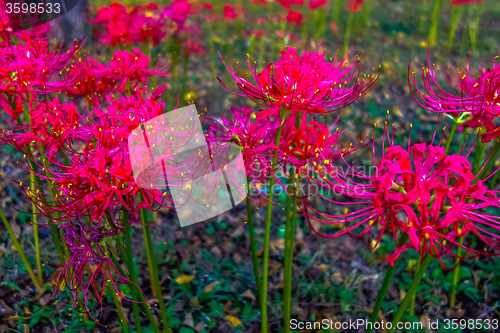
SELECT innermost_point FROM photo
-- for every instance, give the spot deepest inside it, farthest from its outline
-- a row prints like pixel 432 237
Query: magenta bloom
pixel 476 106
pixel 289 3
pixel 124 25
pixel 431 197
pixel 304 83
pixel 314 4
pixel 294 17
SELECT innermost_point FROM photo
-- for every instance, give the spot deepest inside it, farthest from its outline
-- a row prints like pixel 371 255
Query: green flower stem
pixel 35 233
pixel 253 249
pixel 450 137
pixel 185 74
pixel 453 292
pixel 287 278
pixel 336 9
pixel 148 254
pixel 289 250
pixel 347 35
pixel 20 251
pixel 412 302
pixel 409 294
pixel 34 181
pixel 130 267
pixel 155 275
pixel 455 16
pixel 265 272
pixel 384 288
pixel 435 23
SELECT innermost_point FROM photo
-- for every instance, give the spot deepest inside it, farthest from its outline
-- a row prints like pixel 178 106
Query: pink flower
pixel 294 17
pixel 304 83
pixel 421 192
pixel 476 106
pixel 133 67
pixel 354 5
pixel 314 4
pixel 289 3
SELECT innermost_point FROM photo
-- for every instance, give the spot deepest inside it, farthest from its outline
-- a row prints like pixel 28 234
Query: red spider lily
pixel 52 125
pixel 432 197
pixel 354 5
pixel 88 253
pixel 461 2
pixel 131 67
pixel 289 3
pixel 231 13
pixel 294 17
pixel 312 145
pixel 99 174
pixel 315 4
pixel 92 80
pixel 304 83
pixel 255 137
pixel 477 104
pixel 30 67
pixel 130 25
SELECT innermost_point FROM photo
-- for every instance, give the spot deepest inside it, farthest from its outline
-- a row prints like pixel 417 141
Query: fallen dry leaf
pixel 249 294
pixel 234 321
pixel 184 279
pixel 211 286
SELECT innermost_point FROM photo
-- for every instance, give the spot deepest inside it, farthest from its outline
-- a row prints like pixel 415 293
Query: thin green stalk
pixel 409 294
pixel 289 250
pixel 435 23
pixel 347 35
pixel 20 251
pixel 253 249
pixel 286 278
pixel 265 271
pixel 453 292
pixel 35 233
pixel 184 74
pixel 384 288
pixel 336 9
pixel 455 16
pixel 34 181
pixel 412 302
pixel 155 275
pixel 150 261
pixel 130 267
pixel 474 26
pixel 450 137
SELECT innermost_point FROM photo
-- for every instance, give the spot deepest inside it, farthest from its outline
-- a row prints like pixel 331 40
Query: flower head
pixel 304 83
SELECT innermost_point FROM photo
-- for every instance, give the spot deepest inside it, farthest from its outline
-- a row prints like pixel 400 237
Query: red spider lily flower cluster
pixel 476 106
pixel 315 4
pixel 32 66
pixel 462 2
pixel 354 5
pixel 81 159
pixel 123 25
pixel 304 83
pixel 119 24
pixel 432 197
pixel 95 80
pixel 99 174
